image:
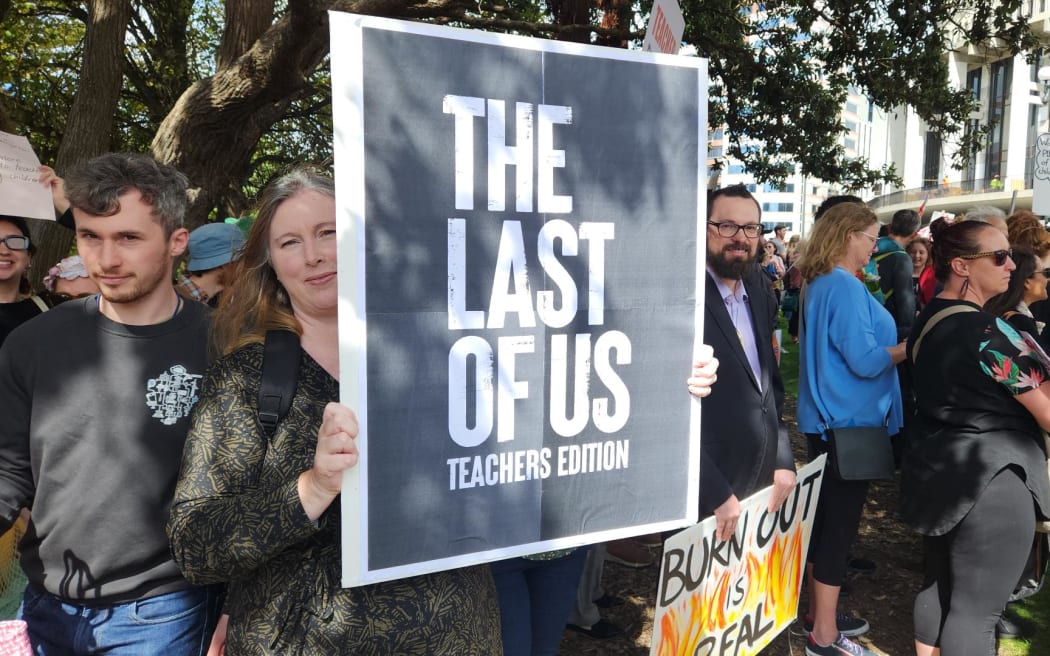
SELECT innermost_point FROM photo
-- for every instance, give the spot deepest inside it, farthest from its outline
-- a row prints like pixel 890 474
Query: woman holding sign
pixel 847 378
pixel 260 511
pixel 974 482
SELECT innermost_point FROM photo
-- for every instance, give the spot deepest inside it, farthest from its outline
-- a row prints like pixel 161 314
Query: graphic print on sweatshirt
pixel 172 395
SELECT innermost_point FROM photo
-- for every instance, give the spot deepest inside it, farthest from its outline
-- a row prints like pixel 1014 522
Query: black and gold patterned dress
pixel 237 518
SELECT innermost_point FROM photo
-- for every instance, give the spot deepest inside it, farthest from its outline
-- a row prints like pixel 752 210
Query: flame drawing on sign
pixel 771 584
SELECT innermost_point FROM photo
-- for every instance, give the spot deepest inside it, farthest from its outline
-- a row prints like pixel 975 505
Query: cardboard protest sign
pixel 20 193
pixel 734 597
pixel 521 240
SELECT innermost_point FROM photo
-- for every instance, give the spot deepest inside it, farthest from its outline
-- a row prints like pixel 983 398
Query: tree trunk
pixel 6 124
pixel 215 126
pixel 90 123
pixel 246 21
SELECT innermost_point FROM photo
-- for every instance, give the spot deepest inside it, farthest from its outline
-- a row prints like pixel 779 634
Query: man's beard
pixel 140 286
pixel 730 269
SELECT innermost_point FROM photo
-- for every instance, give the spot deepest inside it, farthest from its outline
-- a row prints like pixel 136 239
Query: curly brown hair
pixel 1026 231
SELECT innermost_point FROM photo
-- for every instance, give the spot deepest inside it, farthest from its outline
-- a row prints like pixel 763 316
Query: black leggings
pixel 972 569
pixel 836 522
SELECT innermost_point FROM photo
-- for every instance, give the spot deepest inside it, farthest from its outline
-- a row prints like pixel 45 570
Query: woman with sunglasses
pixel 1027 286
pixel 18 304
pixel 68 280
pixel 974 480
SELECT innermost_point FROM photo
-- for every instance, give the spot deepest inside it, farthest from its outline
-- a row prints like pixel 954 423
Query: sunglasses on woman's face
pixel 62 298
pixel 1001 256
pixel 1045 272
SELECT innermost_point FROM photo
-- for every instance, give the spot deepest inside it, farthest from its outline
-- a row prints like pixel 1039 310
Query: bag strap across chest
pixel 280 377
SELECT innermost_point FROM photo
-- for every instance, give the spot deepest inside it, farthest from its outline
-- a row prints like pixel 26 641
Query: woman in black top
pixel 975 480
pixel 17 302
pixel 1027 286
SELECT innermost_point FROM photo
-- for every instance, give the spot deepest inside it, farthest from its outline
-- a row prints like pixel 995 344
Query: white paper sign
pixel 20 192
pixel 1041 176
pixel 666 26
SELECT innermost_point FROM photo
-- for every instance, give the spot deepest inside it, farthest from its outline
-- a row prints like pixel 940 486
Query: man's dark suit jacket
pixel 742 437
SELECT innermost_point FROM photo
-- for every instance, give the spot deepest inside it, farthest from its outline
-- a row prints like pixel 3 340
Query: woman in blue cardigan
pixel 847 377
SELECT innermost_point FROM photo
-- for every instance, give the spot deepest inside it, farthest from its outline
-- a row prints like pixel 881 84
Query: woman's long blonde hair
pixel 255 301
pixel 829 240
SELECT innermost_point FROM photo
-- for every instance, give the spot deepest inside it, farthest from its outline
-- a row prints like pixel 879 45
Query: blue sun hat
pixel 213 245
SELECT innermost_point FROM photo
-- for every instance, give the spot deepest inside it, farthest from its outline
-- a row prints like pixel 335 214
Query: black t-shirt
pixel 13 315
pixel 95 419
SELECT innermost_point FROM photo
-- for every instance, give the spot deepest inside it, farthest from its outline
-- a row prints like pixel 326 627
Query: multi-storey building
pixel 1007 90
pixel 794 202
pixel 1008 93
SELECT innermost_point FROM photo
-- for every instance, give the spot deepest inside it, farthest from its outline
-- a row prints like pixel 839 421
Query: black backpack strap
pixel 280 375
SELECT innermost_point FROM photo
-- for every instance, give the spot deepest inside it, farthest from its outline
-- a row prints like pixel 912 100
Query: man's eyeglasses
pixel 751 230
pixel 1001 255
pixel 15 242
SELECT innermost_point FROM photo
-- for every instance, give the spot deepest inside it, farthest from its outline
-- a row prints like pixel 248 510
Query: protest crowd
pixel 221 519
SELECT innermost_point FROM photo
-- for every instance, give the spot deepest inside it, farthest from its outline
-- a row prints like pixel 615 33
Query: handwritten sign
pixel 20 193
pixel 735 596
pixel 1041 175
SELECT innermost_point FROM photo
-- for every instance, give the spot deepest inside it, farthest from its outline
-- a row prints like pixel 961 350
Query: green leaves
pixel 781 71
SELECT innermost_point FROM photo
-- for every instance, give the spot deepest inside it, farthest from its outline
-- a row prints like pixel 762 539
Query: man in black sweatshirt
pixel 97 395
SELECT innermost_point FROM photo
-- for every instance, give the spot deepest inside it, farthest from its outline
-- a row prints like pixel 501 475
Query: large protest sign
pixel 20 193
pixel 735 596
pixel 520 226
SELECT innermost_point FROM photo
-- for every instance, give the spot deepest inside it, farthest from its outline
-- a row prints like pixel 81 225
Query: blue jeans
pixel 178 623
pixel 535 599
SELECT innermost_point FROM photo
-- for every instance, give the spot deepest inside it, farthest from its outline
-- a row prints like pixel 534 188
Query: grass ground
pixel 1035 615
pixel 788 360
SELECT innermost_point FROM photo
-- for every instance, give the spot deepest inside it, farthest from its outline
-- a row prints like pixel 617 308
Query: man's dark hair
pixel 832 201
pixel 904 223
pixel 732 191
pixel 95 187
